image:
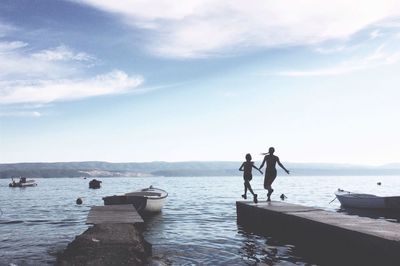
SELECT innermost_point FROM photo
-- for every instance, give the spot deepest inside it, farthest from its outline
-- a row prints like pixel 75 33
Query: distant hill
pixel 215 168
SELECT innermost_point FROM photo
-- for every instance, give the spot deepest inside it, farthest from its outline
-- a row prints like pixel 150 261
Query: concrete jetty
pixel 114 214
pixel 114 239
pixel 329 238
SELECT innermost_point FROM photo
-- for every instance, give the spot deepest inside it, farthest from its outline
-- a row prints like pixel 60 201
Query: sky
pixel 199 80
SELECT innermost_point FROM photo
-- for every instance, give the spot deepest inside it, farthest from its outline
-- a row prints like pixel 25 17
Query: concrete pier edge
pixel 318 234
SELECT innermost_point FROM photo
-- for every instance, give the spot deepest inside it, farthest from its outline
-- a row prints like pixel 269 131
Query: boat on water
pixel 94 184
pixel 367 201
pixel 149 200
pixel 23 182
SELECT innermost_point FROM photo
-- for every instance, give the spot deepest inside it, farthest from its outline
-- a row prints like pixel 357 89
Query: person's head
pixel 271 150
pixel 248 157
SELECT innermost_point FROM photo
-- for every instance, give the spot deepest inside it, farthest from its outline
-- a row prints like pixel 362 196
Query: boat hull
pixel 367 201
pixel 149 200
pixel 28 183
pixel 155 198
pixel 154 205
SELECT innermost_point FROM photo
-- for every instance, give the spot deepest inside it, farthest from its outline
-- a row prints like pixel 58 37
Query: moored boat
pixel 94 183
pixel 23 182
pixel 150 200
pixel 367 201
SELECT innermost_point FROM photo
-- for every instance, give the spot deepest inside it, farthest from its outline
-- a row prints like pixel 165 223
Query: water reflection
pixel 260 248
pixel 197 225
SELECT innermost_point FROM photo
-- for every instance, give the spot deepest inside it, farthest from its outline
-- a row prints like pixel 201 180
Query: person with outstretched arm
pixel 270 173
pixel 246 167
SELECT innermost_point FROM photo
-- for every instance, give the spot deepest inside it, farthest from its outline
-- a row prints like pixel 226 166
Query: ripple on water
pixel 11 221
pixel 197 225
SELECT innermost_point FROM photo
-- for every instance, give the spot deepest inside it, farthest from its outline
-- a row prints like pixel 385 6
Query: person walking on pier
pixel 270 173
pixel 246 167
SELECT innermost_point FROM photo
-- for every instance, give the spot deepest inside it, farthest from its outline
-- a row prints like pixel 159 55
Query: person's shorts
pixel 248 178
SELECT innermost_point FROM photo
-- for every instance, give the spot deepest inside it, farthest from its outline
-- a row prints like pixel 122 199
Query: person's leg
pixel 266 183
pixel 245 190
pixel 249 187
pixel 269 186
pixel 270 190
pixel 252 192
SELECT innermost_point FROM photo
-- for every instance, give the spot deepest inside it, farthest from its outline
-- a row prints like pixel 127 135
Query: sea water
pixel 197 224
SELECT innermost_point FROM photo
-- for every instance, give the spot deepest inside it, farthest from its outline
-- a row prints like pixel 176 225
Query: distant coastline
pixel 195 168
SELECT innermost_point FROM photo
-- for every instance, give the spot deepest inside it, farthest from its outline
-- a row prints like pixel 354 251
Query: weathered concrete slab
pixel 365 225
pixel 107 245
pixel 278 206
pixel 379 228
pixel 119 214
pixel 334 238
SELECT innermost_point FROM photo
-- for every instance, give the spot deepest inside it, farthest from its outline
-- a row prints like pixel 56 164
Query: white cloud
pixel 32 79
pixel 379 57
pixel 391 23
pixel 7 47
pixel 62 53
pixel 375 34
pixel 46 91
pixel 332 71
pixel 21 114
pixel 329 50
pixel 16 63
pixel 196 28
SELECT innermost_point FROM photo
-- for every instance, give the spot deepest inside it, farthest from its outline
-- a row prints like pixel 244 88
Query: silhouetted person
pixel 247 167
pixel 270 172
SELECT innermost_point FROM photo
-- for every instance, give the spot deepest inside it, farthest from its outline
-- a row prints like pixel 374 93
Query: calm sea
pixel 197 225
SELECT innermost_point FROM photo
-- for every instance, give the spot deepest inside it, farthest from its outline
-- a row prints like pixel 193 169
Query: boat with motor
pixel 23 182
pixel 149 200
pixel 367 201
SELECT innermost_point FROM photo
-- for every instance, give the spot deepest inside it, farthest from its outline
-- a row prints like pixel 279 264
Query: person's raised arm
pixel 259 170
pixel 241 167
pixel 263 162
pixel 281 165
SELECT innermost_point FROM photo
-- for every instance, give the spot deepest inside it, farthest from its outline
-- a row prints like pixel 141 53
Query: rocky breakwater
pixel 107 244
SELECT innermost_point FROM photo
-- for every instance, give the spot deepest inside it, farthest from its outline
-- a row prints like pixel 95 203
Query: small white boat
pixel 367 201
pixel 155 198
pixel 23 182
pixel 149 200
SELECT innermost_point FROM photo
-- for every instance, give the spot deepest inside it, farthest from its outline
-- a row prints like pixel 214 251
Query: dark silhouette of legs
pixel 247 186
pixel 245 190
pixel 270 190
pixel 270 176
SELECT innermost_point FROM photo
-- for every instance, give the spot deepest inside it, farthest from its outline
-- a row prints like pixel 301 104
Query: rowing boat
pixel 367 201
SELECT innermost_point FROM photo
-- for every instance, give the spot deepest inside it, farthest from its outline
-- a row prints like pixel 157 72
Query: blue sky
pixel 134 80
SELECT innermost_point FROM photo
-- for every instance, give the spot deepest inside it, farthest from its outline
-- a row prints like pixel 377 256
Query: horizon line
pixel 194 161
